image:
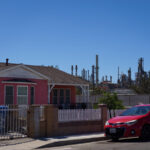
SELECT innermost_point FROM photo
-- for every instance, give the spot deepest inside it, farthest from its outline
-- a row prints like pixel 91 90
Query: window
pixel 67 96
pixel 9 96
pixel 61 96
pixel 32 95
pixel 55 96
pixel 22 95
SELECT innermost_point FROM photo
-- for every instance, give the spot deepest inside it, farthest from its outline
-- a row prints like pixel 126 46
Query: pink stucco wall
pixel 41 91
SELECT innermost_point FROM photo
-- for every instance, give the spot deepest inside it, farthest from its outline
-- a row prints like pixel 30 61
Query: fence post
pixel 51 118
pixel 103 114
pixel 33 120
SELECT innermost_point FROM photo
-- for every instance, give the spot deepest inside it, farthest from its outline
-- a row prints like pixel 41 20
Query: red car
pixel 134 122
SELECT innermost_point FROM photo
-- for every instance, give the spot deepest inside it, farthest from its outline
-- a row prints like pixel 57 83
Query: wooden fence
pixel 69 115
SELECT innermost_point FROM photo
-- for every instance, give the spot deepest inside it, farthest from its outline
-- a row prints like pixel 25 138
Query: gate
pixel 13 122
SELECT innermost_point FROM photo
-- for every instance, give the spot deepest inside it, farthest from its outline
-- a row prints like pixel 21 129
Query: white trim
pixel 41 75
pixel 36 72
pixel 27 68
pixel 5 93
pixel 66 84
pixel 49 92
pixel 12 82
pixel 23 95
pixel 85 93
pixel 55 96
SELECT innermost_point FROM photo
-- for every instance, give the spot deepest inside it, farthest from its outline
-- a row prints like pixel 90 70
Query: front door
pixel 9 95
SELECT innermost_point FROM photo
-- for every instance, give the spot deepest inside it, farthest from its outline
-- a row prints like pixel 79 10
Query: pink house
pixel 28 84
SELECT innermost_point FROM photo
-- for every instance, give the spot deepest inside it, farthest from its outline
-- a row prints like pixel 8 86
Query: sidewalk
pixel 30 144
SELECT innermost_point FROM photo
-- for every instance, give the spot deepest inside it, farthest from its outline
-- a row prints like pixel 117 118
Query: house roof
pixel 56 76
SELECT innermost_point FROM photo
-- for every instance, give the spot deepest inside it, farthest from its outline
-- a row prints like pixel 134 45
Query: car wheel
pixel 115 139
pixel 145 133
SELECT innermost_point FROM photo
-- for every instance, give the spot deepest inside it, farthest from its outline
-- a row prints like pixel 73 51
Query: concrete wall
pixel 50 126
pixel 128 100
pixel 131 100
pixel 79 127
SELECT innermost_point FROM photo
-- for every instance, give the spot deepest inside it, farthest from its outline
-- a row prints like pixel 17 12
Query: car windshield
pixel 136 111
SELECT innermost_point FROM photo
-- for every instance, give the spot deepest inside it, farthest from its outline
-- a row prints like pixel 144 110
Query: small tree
pixel 112 102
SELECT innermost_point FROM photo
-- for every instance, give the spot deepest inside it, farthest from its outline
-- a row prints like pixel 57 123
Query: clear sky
pixel 70 32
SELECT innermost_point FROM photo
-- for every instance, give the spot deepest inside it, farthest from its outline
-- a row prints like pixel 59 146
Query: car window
pixel 135 111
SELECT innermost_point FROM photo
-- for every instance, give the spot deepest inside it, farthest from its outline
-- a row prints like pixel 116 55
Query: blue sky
pixel 70 32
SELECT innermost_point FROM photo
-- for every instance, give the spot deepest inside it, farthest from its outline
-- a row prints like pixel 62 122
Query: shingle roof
pixel 55 75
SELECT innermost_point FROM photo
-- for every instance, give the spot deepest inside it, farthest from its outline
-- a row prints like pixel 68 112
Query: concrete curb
pixel 71 142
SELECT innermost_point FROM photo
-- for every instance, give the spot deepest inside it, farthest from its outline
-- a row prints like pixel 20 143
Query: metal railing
pixel 69 115
pixel 13 122
pixel 75 106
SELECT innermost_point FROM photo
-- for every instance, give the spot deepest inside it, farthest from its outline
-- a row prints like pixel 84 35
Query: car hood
pixel 121 119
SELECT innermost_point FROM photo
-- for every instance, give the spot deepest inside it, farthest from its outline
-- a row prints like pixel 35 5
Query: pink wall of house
pixel 40 88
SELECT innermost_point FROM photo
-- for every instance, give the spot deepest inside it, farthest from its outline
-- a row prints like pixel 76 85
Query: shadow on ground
pixel 71 142
pixel 128 140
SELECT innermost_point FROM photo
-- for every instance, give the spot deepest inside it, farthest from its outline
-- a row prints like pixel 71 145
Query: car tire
pixel 115 139
pixel 145 133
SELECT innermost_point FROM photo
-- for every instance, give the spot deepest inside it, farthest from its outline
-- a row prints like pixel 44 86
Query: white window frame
pixel 22 95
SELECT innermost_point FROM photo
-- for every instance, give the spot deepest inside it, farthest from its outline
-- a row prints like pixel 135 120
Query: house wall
pixel 40 95
pixel 40 91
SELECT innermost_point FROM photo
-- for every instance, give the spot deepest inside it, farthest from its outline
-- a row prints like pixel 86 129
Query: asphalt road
pixel 124 144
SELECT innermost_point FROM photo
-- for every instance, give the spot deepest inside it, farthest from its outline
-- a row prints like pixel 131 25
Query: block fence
pixel 127 100
pixel 49 125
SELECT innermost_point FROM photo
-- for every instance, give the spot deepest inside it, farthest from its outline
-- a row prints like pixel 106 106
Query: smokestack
pixel 129 76
pixel 72 69
pixel 93 77
pixel 7 61
pixel 88 75
pixel 103 79
pixel 97 71
pixel 106 78
pixel 83 74
pixel 111 79
pixel 76 68
pixel 118 75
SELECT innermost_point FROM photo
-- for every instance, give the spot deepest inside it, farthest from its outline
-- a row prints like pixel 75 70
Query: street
pixel 123 144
